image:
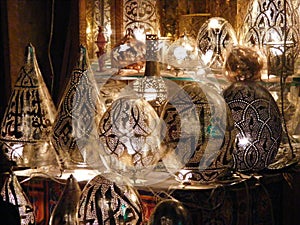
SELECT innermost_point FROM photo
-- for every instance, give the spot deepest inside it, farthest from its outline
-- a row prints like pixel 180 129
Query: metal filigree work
pixel 130 132
pixel 258 120
pixel 78 114
pixel 206 148
pixel 28 118
pixel 104 202
pixel 141 14
pixel 215 36
pixel 270 21
pixel 12 192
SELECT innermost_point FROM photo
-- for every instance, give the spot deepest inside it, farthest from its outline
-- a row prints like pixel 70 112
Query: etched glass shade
pixel 29 118
pixel 12 192
pixel 215 36
pixel 79 111
pixel 105 202
pixel 200 133
pixel 272 25
pixel 130 132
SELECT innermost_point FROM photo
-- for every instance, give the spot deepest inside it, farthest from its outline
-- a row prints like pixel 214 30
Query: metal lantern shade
pixel 201 133
pixel 129 53
pixel 104 202
pixel 182 54
pixel 65 211
pixel 215 36
pixel 29 118
pixel 12 192
pixel 79 111
pixel 258 120
pixel 255 113
pixel 271 25
pixel 130 132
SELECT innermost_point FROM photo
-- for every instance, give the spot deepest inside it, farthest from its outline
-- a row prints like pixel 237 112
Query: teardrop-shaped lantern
pixel 215 36
pixel 104 202
pixel 65 212
pixel 255 113
pixel 130 131
pixel 79 112
pixel 28 118
pixel 200 133
pixel 12 192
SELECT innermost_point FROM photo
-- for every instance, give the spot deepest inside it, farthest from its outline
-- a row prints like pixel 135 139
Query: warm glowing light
pixel 180 52
pixel 244 141
pixel 214 24
pixel 139 34
pixel 88 29
pixel 108 30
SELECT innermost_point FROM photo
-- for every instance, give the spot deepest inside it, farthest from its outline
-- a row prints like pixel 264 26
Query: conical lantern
pixel 65 212
pixel 105 202
pixel 28 119
pixel 12 192
pixel 78 114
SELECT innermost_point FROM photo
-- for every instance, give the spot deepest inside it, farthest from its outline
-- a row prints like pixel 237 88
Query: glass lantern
pixel 215 36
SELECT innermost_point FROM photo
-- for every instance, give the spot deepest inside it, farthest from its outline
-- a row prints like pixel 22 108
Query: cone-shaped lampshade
pixel 105 202
pixel 78 114
pixel 28 118
pixel 12 192
pixel 65 212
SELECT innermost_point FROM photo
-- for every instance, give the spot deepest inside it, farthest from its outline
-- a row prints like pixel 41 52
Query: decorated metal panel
pixel 12 192
pixel 258 120
pixel 29 118
pixel 200 130
pixel 78 114
pixel 215 36
pixel 263 24
pixel 104 202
